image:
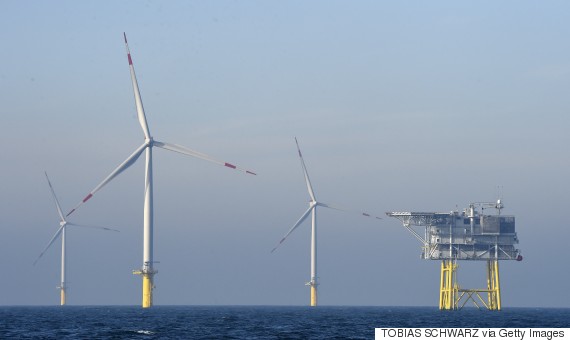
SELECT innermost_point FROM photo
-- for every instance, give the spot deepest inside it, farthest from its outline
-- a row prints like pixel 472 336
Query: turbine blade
pixel 122 167
pixel 55 199
pixel 50 243
pixel 92 227
pixel 365 214
pixel 138 100
pixel 186 151
pixel 301 219
pixel 307 180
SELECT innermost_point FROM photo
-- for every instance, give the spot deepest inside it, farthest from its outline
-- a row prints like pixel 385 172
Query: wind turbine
pixel 313 204
pixel 147 271
pixel 63 224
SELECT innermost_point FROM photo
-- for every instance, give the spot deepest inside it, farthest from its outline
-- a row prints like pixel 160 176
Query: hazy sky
pixel 402 105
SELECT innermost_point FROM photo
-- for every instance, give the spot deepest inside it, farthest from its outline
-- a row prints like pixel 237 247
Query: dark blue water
pixel 255 322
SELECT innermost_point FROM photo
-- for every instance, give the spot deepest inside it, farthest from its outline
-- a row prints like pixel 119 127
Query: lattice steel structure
pixel 470 235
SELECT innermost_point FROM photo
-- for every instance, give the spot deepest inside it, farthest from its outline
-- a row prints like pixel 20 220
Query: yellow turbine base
pixel 62 299
pixel 147 291
pixel 313 296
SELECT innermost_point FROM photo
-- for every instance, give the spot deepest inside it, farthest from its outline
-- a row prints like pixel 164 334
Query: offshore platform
pixel 476 234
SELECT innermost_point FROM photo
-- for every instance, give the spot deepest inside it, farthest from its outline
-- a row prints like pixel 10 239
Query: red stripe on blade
pixel 230 165
pixel 87 198
pixel 130 60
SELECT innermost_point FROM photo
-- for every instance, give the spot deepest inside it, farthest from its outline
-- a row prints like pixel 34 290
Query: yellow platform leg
pixel 452 297
pixel 448 287
pixel 493 285
pixel 313 296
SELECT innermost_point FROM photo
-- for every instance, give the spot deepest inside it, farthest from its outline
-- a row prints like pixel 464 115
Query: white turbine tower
pixel 313 204
pixel 63 224
pixel 147 271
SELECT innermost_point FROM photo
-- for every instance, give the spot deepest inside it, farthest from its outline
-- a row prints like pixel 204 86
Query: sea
pixel 254 322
